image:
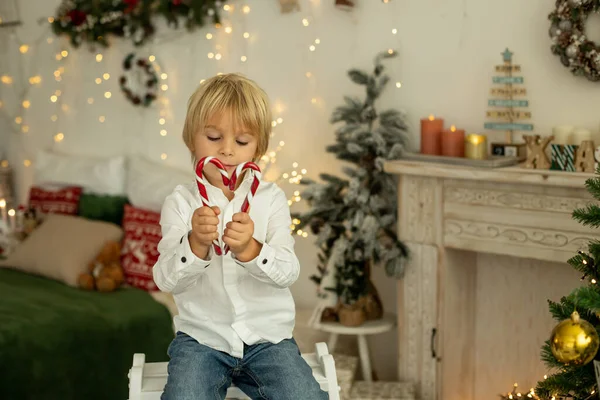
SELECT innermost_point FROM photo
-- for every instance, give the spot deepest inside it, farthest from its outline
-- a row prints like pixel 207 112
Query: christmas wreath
pixel 93 21
pixel 569 42
pixel 139 81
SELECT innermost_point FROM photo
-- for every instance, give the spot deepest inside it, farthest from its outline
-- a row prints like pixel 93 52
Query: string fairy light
pixel 229 30
pixel 24 82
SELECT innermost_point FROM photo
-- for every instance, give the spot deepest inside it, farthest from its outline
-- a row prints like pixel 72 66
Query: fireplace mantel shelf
pixel 516 174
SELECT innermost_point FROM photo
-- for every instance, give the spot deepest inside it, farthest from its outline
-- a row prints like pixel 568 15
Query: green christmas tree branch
pixel 577 382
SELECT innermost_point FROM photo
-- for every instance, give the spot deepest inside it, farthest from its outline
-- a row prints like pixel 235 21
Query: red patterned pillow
pixel 62 201
pixel 140 253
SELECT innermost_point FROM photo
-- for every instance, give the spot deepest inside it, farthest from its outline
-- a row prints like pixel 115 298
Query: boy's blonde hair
pixel 236 94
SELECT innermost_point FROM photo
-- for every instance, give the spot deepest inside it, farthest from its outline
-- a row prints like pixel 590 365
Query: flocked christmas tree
pixel 574 342
pixel 355 217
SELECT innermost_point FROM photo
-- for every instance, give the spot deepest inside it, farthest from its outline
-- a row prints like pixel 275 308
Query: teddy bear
pixel 105 273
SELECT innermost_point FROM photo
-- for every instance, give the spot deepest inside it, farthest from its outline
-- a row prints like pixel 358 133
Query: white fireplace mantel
pixel 448 214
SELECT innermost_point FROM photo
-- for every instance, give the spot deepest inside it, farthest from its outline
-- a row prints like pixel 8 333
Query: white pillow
pixel 94 175
pixel 149 183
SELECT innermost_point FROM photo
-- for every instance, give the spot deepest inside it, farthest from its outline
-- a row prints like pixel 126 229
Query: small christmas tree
pixel 504 98
pixel 572 357
pixel 355 218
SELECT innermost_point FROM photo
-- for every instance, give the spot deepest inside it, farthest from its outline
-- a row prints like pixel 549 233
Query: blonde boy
pixel 236 312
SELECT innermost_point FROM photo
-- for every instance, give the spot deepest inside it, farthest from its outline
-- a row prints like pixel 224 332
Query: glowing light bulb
pixel 26 104
pixel 163 156
pixel 64 53
pixel 305 22
pixel 312 47
pixel 163 76
pixel 24 48
pixel 163 132
pixel 398 85
pixel 107 95
pixel 27 163
pixel 246 9
pixel 246 35
pixel 99 57
pixel 228 29
pixel 53 98
pixel 243 58
pixel 152 58
pixel 394 31
pixel 59 137
pixel 209 36
pixel 106 76
pixel 102 118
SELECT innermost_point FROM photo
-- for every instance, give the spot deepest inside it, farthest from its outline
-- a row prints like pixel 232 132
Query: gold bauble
pixel 574 341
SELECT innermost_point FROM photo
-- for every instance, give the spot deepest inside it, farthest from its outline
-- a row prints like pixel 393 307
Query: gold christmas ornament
pixel 574 341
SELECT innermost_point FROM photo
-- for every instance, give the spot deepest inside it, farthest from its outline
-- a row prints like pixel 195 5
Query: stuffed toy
pixel 105 273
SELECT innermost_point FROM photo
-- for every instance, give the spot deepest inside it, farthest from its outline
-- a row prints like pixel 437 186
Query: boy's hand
pixel 238 236
pixel 204 230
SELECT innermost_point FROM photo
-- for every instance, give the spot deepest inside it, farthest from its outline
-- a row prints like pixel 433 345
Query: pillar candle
pixel 562 134
pixel 476 147
pixel 453 142
pixel 3 209
pixel 12 220
pixel 580 135
pixel 431 135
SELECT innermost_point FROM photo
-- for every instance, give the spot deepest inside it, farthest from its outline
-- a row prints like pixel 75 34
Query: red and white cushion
pixel 60 201
pixel 140 253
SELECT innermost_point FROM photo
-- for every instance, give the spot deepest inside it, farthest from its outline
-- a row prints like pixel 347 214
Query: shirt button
pixel 265 261
pixel 183 259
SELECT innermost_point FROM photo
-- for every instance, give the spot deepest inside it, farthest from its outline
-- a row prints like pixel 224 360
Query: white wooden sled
pixel 147 380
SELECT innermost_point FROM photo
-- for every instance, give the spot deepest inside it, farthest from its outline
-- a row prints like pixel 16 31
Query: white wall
pixel 448 50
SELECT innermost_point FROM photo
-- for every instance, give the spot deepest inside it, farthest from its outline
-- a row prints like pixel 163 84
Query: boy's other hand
pixel 238 236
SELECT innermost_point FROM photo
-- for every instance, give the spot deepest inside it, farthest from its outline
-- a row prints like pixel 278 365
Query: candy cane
pixel 202 182
pixel 231 183
pixel 255 170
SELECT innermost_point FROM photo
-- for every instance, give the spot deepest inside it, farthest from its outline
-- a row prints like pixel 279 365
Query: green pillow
pixel 102 207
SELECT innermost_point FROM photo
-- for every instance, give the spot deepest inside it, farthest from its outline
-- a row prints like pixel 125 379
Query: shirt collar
pixel 216 195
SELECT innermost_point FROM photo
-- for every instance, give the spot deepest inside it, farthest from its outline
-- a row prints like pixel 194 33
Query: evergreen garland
pixel 94 21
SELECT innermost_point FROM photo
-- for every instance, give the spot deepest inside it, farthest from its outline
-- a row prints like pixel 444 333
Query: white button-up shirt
pixel 223 302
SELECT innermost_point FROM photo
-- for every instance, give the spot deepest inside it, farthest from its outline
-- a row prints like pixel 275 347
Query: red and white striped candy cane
pixel 202 182
pixel 255 170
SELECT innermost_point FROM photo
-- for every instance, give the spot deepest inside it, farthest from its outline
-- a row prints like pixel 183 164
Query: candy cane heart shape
pixel 255 170
pixel 202 183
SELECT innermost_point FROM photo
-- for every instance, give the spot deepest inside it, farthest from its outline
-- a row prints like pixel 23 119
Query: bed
pixel 59 342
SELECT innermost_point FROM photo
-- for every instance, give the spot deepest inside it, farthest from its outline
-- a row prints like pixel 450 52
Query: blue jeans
pixel 267 371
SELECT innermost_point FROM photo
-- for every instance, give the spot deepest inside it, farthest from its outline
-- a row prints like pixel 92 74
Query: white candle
pixel 580 135
pixel 562 134
pixel 3 209
pixel 20 220
pixel 12 219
